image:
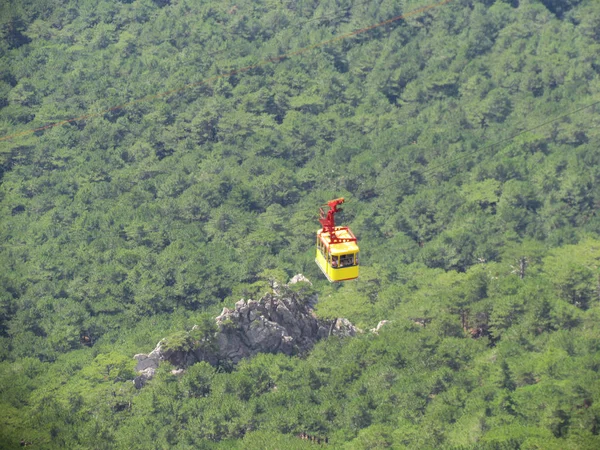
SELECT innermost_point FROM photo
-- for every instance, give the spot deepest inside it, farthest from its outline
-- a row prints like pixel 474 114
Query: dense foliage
pixel 482 249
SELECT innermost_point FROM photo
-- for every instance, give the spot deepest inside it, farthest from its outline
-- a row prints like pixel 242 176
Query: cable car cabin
pixel 339 262
pixel 337 248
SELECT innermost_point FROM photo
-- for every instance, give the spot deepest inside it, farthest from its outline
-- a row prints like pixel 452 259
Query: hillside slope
pixel 465 139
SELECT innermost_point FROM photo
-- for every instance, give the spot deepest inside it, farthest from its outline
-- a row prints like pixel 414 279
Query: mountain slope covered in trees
pixel 479 229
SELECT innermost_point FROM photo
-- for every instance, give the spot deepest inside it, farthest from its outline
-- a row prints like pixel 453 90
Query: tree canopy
pixel 463 137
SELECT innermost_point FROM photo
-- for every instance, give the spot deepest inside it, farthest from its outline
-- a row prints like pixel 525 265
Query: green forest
pixel 161 159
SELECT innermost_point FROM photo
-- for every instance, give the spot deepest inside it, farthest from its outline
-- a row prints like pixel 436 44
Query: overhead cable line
pixel 429 170
pixel 299 24
pixel 264 62
pixel 510 138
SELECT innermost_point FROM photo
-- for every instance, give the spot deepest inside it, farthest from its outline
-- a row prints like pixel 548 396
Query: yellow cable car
pixel 337 248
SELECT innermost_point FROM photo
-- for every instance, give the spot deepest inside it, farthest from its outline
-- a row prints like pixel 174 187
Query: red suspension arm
pixel 328 221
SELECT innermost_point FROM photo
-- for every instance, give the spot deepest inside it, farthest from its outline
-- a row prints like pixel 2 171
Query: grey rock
pixel 143 377
pixel 223 314
pixel 296 278
pixel 344 328
pixel 146 363
pixel 149 361
pixel 280 322
pixel 156 353
pixel 253 315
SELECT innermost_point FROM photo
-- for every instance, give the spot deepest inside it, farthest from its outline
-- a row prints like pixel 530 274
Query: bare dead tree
pixel 520 270
pixel 522 267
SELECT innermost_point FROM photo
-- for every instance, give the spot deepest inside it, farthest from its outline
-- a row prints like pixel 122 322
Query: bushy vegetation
pixel 483 250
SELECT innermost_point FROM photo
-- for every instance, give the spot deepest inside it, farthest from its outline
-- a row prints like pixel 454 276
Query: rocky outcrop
pixel 143 376
pixel 146 366
pixel 280 322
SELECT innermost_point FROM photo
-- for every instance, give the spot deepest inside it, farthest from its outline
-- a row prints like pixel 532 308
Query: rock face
pixel 281 322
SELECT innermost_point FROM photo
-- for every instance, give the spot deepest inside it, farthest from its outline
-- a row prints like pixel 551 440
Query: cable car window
pixel 347 260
